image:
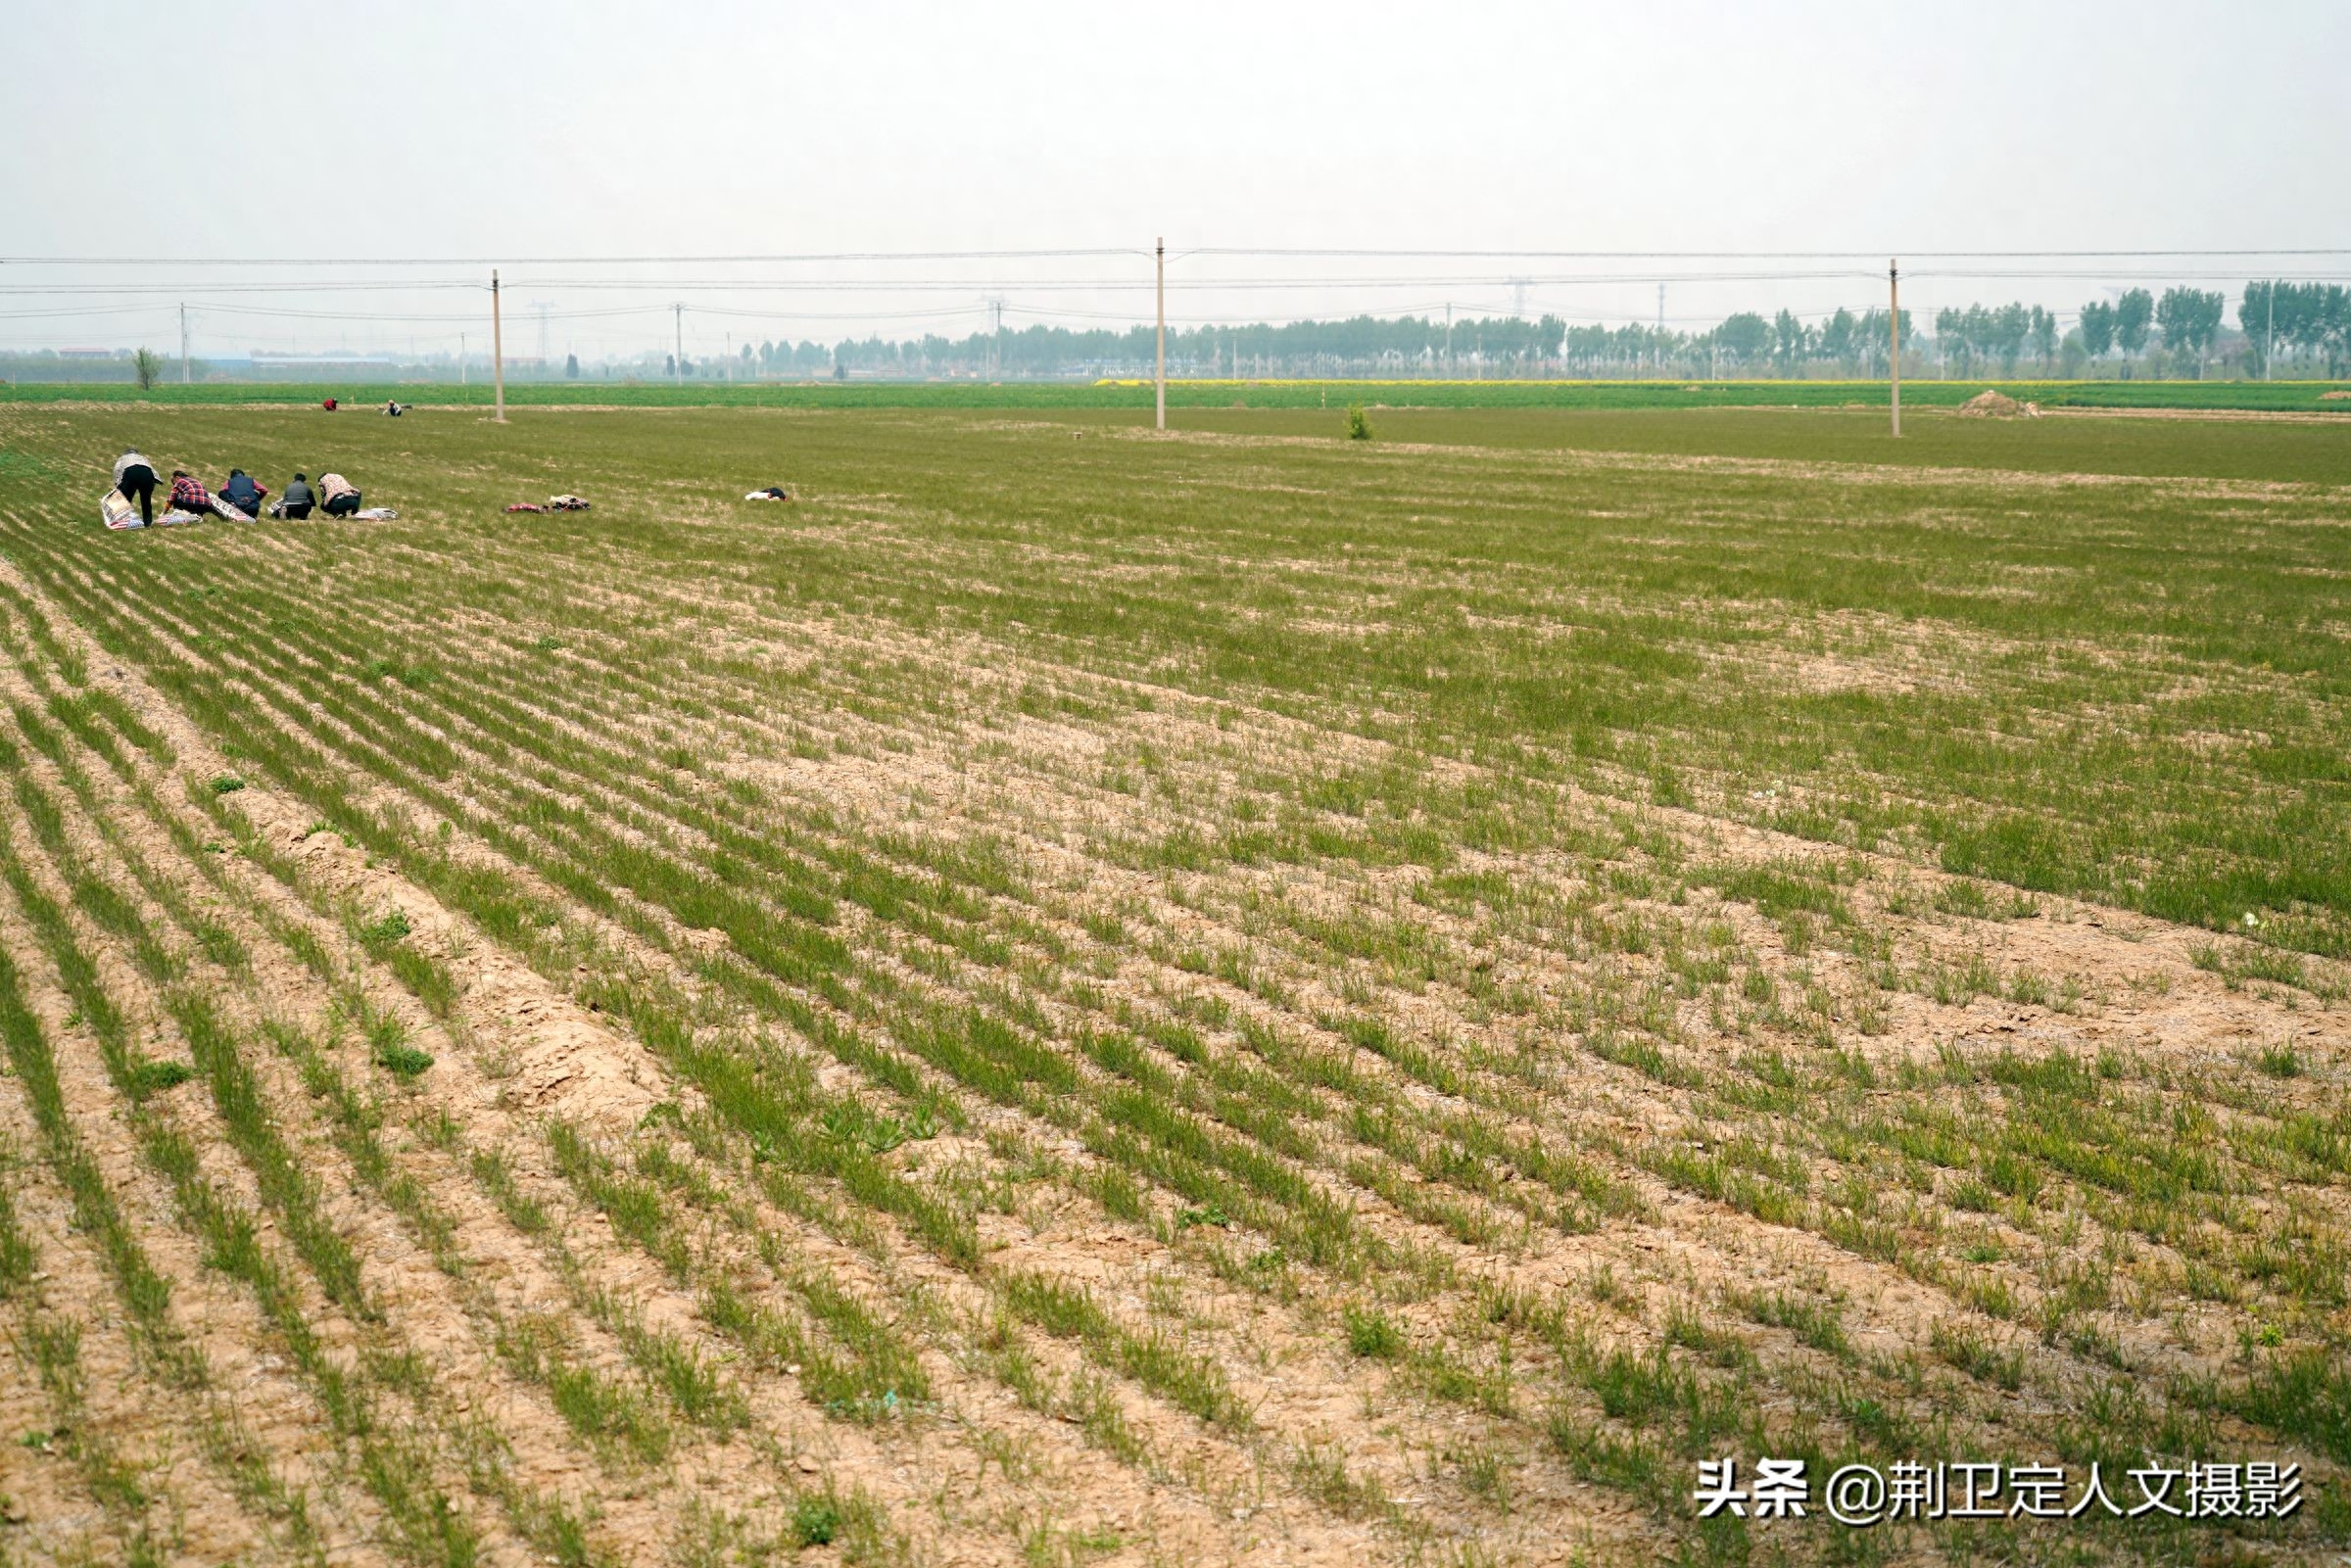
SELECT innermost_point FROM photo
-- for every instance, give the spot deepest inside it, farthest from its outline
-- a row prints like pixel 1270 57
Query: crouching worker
pixel 188 493
pixel 295 501
pixel 338 495
pixel 242 493
pixel 134 476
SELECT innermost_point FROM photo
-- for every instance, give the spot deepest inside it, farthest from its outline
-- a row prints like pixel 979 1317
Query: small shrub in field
pixel 1371 1334
pixel 2280 1061
pixel 227 783
pixel 1975 901
pixel 154 1077
pixel 384 931
pixel 1358 428
pixel 402 1061
pixel 815 1521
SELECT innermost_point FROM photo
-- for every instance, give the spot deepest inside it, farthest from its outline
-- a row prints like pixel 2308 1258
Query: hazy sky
pixel 420 128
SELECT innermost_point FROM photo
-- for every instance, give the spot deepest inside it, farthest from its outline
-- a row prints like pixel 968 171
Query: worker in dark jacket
pixel 295 501
pixel 242 493
pixel 134 476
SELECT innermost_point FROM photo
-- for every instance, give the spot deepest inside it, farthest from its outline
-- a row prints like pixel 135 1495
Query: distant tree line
pixel 2304 327
pixel 2310 324
pixel 1362 345
pixel 2180 333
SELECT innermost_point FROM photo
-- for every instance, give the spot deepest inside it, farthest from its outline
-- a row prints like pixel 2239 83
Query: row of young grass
pixel 1359 1090
pixel 1953 765
pixel 737 928
pixel 580 1393
pixel 1136 396
pixel 2168 1177
pixel 1778 892
pixel 49 1340
pixel 615 1420
pixel 1155 1360
pixel 1207 1402
pixel 423 1523
pixel 294 1196
pixel 2026 820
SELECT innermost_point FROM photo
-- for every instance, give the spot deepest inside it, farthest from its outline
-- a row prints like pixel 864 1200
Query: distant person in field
pixel 134 476
pixel 295 501
pixel 242 493
pixel 328 406
pixel 394 409
pixel 338 494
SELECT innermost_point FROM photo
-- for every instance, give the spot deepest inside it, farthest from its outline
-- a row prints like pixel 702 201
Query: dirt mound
pixel 2334 397
pixel 1991 405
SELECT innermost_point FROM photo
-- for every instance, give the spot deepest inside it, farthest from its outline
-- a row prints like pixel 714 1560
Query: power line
pixel 1744 256
pixel 956 285
pixel 560 261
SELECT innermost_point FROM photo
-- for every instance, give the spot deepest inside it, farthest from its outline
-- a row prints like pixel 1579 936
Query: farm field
pixel 2309 399
pixel 1074 996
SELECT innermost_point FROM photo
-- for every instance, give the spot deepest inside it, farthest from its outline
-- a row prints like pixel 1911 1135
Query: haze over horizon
pixel 434 130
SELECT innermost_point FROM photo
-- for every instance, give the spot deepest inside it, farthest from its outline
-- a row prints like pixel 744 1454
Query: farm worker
pixel 338 494
pixel 187 493
pixel 394 410
pixel 134 476
pixel 328 406
pixel 242 493
pixel 296 502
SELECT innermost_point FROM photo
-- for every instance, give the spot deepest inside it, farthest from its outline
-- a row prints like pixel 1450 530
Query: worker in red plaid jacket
pixel 187 493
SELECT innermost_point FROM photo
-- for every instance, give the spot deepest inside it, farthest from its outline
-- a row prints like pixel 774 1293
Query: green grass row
pixel 1136 396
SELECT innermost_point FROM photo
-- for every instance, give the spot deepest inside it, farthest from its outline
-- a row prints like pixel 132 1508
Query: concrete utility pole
pixel 497 352
pixel 1660 339
pixel 2269 347
pixel 1894 334
pixel 460 358
pixel 679 362
pixel 185 377
pixel 1160 376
